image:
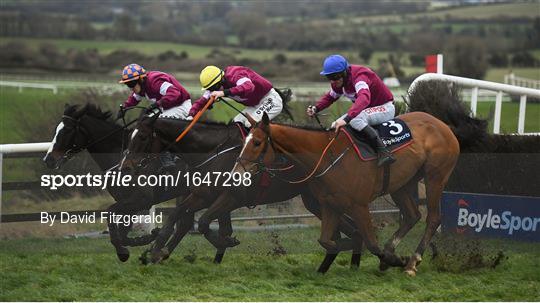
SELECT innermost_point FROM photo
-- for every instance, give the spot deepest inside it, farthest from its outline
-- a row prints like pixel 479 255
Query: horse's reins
pixel 195 119
pixel 260 161
pixel 77 149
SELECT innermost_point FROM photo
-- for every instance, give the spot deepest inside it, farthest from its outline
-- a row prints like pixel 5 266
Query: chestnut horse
pixel 351 184
pixel 213 147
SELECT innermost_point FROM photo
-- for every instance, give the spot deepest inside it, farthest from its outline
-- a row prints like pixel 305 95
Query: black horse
pixel 213 147
pixel 88 127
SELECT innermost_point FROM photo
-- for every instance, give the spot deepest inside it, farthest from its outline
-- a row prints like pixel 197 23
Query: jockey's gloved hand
pixel 338 124
pixel 121 112
pixel 311 110
pixel 152 107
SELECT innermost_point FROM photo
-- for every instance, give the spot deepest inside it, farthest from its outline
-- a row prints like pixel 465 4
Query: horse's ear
pixel 265 123
pixel 66 105
pixel 265 119
pixel 251 120
pixel 80 111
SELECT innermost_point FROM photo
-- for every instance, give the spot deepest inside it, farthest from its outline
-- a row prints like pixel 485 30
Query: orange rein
pixel 318 163
pixel 195 119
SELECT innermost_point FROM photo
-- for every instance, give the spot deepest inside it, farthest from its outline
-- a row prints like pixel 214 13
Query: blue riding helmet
pixel 334 64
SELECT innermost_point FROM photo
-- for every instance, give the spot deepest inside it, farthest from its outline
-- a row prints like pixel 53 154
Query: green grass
pixel 497 74
pixel 510 113
pixel 526 10
pixel 15 104
pixel 154 48
pixel 491 11
pixel 87 270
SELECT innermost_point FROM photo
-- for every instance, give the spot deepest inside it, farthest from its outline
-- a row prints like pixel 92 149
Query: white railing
pixel 20 85
pixel 19 148
pixel 500 88
pixel 521 81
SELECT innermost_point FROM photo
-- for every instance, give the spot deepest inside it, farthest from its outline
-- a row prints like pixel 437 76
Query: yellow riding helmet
pixel 210 75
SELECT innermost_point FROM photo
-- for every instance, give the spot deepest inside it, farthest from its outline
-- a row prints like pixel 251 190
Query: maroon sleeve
pixel 362 101
pixel 172 98
pixel 330 97
pixel 197 106
pixel 131 101
pixel 244 89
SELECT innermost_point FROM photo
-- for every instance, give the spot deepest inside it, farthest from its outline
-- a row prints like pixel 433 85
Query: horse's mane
pixel 443 101
pixel 306 127
pixel 76 111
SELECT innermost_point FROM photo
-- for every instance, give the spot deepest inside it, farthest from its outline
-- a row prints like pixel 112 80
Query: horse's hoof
pixel 122 253
pixel 232 242
pixel 383 266
pixel 123 257
pixel 410 272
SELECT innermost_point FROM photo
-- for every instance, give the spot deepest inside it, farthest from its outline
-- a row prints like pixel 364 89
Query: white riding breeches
pixel 179 112
pixel 271 103
pixel 373 116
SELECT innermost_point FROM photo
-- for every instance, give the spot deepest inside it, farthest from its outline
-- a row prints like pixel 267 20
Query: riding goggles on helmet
pixel 334 76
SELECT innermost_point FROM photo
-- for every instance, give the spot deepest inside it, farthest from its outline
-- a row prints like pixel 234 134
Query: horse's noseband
pixel 74 147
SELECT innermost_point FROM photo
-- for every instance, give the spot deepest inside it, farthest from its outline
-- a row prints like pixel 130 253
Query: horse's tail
pixel 286 96
pixel 443 100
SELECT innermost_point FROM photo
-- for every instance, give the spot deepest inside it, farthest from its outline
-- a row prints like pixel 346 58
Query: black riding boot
pixel 384 155
pixel 167 162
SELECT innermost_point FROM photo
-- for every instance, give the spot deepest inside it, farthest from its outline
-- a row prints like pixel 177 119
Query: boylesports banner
pixel 513 217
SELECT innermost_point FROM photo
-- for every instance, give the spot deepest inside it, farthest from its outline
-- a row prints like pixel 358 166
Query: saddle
pixel 394 133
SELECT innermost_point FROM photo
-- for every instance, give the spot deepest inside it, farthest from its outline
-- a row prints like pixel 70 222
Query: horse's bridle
pixel 144 161
pixel 263 167
pixel 78 128
pixel 74 147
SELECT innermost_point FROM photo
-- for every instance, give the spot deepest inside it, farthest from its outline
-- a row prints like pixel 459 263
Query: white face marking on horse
pixel 248 138
pixel 134 133
pixel 58 129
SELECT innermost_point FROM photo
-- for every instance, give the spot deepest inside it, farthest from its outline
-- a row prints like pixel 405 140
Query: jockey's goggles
pixel 215 87
pixel 334 76
pixel 132 84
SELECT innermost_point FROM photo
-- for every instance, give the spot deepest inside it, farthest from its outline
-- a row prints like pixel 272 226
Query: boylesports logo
pixel 491 220
pixel 396 140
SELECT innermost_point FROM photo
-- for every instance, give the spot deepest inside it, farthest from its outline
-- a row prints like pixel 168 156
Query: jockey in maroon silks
pixel 242 85
pixel 372 101
pixel 163 91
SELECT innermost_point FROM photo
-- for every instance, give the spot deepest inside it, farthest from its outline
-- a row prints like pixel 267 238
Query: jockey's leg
pixel 271 103
pixel 372 116
pixel 166 157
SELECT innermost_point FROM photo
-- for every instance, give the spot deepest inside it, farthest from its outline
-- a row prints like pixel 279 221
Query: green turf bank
pixel 512 217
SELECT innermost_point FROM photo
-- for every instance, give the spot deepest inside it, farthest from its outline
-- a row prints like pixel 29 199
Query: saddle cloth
pixel 394 133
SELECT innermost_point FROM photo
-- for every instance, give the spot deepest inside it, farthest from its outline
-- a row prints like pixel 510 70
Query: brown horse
pixel 213 147
pixel 351 185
